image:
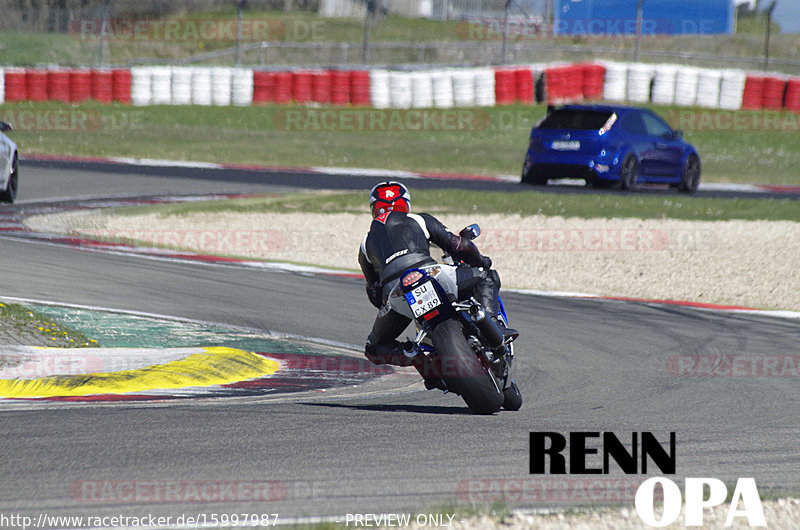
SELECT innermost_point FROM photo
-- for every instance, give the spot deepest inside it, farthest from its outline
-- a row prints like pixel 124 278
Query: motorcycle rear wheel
pixel 462 371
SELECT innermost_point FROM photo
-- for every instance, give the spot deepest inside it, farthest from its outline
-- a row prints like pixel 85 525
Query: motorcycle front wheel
pixel 512 398
pixel 461 370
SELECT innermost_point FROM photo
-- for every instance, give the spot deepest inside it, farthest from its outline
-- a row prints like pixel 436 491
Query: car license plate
pixel 566 145
pixel 423 299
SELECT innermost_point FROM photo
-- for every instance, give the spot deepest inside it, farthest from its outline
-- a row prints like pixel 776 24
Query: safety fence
pixel 637 83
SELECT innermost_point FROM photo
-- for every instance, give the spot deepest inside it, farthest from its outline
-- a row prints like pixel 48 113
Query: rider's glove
pixel 486 262
pixel 374 293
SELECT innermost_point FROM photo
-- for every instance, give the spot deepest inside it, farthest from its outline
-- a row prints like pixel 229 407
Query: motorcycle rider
pixel 399 240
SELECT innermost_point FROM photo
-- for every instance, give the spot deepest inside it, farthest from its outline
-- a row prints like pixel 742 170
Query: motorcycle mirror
pixel 470 232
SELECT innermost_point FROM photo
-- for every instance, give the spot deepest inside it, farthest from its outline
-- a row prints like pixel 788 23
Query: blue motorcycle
pixel 467 353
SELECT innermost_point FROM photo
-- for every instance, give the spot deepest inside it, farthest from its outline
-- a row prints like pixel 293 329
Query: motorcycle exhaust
pixel 410 349
pixel 489 330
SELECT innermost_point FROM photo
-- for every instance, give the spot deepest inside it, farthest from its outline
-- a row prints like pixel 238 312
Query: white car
pixel 9 165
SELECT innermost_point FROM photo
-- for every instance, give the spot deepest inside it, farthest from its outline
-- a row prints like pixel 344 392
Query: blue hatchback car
pixel 606 144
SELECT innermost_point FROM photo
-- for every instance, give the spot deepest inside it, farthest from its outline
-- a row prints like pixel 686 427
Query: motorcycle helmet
pixel 389 196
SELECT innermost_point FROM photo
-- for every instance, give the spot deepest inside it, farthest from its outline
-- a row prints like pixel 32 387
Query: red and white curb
pixel 681 303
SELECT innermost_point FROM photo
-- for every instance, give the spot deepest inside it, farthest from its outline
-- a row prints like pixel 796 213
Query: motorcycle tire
pixel 462 371
pixel 512 399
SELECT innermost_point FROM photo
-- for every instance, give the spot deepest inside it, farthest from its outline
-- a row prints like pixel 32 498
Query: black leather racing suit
pixel 399 241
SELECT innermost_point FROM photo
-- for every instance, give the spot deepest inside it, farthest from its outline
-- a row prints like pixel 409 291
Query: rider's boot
pixel 399 354
pixel 386 352
pixel 431 375
pixel 488 295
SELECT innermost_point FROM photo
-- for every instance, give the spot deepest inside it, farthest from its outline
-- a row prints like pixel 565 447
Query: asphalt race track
pixel 582 365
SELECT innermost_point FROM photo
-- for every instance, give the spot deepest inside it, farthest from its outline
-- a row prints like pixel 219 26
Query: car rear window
pixel 585 120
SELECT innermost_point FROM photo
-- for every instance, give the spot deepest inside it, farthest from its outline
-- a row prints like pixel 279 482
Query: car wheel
pixel 531 176
pixel 690 177
pixel 629 173
pixel 10 193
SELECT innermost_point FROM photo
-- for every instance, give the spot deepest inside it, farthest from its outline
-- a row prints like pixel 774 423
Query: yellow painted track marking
pixel 214 366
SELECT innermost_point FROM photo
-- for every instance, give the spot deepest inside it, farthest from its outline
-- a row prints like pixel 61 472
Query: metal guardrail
pixel 475 53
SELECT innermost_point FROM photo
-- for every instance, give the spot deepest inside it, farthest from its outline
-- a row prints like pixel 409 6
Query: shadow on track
pixel 417 409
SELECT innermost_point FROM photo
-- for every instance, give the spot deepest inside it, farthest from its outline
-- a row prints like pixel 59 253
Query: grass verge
pixel 190 37
pixel 740 147
pixel 21 323
pixel 522 203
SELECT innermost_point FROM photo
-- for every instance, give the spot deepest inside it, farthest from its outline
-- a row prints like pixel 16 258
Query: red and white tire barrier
pixel 636 83
pixel 664 78
pixel 732 89
pixel 792 99
pixel 615 87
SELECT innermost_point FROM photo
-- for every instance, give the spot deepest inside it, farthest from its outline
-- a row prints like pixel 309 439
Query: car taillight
pixel 608 124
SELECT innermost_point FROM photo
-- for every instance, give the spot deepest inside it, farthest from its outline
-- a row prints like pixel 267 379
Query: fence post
pixel 639 5
pixel 104 24
pixel 240 9
pixel 371 7
pixel 767 35
pixel 505 33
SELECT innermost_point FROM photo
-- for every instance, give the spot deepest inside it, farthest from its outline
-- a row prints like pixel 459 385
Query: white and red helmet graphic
pixel 389 196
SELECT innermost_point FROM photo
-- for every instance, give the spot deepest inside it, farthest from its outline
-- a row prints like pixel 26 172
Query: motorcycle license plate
pixel 423 299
